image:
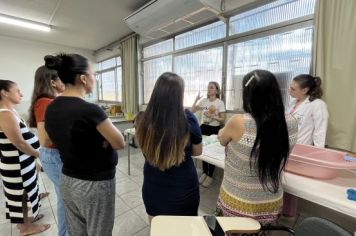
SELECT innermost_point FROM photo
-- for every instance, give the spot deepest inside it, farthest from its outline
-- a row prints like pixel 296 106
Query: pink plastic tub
pixel 314 162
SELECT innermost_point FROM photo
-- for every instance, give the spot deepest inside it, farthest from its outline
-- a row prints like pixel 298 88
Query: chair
pixel 312 226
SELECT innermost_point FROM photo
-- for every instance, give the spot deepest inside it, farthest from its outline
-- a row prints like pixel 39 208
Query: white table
pixel 327 193
pixel 196 226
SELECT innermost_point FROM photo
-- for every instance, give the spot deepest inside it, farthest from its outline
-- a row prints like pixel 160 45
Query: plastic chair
pixel 312 226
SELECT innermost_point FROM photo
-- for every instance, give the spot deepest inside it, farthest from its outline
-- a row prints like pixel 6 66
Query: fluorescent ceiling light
pixel 24 23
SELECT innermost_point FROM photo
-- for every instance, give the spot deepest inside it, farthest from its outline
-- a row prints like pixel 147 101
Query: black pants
pixel 208 130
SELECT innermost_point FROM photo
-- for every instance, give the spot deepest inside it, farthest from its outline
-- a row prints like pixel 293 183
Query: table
pixel 328 193
pixel 129 133
pixel 196 226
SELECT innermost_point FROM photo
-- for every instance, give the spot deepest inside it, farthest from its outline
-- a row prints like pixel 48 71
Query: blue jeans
pixel 52 165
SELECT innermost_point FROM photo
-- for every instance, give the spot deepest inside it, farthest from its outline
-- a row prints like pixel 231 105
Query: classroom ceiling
pixel 86 24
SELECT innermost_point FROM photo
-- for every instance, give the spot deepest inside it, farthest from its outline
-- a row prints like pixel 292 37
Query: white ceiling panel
pixel 87 24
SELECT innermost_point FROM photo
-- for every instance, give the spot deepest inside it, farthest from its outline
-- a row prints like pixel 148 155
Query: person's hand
pixel 208 114
pixel 38 167
pixel 105 144
pixel 198 97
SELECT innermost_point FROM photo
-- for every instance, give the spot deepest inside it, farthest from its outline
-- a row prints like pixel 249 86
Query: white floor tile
pixel 128 224
pixel 125 186
pixel 120 206
pixel 132 199
pixel 141 212
pixel 5 228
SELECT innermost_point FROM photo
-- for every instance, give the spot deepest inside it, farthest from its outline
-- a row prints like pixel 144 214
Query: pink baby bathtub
pixel 314 162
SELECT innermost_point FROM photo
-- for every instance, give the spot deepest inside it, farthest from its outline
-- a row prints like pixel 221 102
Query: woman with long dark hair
pixel 168 136
pixel 87 142
pixel 47 86
pixel 258 144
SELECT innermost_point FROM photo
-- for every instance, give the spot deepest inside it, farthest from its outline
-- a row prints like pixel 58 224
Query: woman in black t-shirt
pixel 86 140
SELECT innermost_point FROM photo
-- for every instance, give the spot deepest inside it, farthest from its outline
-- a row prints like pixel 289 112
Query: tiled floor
pixel 130 214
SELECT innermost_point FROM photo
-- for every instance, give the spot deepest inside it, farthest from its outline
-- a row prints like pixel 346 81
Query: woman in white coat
pixel 310 111
pixel 312 115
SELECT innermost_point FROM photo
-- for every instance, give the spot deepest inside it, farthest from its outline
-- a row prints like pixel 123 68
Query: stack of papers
pixel 215 151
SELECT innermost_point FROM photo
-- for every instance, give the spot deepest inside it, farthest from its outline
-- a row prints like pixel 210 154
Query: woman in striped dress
pixel 257 146
pixel 18 148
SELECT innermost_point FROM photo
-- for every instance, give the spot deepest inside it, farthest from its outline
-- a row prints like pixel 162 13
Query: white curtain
pixel 335 63
pixel 129 76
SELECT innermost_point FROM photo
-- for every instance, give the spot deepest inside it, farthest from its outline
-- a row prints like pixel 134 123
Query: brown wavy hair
pixel 42 88
pixel 312 83
pixel 217 86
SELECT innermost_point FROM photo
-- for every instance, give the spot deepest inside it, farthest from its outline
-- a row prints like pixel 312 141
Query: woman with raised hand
pixel 87 142
pixel 168 136
pixel 47 86
pixel 19 149
pixel 257 147
pixel 213 117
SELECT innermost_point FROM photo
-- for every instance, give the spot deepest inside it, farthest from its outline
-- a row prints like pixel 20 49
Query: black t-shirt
pixel 71 125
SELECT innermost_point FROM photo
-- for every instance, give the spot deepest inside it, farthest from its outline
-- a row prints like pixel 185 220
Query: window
pixel 285 54
pixel 152 70
pixel 273 13
pixel 201 35
pixel 109 78
pixel 198 69
pixel 159 48
pixel 279 39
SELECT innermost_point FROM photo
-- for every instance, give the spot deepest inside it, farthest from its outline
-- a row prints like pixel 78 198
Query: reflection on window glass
pixel 152 70
pixel 109 80
pixel 198 69
pixel 98 84
pixel 273 13
pixel 201 35
pixel 159 48
pixel 108 64
pixel 118 61
pixel 286 55
pixel 108 85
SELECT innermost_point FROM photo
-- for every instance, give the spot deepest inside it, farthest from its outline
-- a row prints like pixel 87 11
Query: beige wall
pixel 19 60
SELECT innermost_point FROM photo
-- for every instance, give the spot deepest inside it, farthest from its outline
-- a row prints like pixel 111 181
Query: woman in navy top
pixel 168 136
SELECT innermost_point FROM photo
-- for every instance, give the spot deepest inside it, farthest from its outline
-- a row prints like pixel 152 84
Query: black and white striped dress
pixel 18 172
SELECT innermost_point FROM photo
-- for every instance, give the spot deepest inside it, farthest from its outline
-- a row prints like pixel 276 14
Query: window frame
pixel 281 27
pixel 100 84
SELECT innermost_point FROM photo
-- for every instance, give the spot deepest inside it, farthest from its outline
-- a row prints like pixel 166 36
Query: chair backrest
pixel 315 226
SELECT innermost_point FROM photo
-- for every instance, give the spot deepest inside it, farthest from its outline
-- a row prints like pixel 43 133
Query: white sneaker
pixel 202 178
pixel 207 182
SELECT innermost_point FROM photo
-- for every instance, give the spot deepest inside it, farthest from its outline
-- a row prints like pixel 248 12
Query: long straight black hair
pixel 263 100
pixel 162 130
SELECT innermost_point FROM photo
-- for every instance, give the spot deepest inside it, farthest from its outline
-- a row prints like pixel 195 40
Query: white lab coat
pixel 312 121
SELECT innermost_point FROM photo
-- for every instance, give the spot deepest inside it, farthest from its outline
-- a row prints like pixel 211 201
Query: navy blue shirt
pixel 71 125
pixel 174 191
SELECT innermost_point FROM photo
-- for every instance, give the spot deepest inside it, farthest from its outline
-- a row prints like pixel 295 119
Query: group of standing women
pixel 78 150
pixel 78 144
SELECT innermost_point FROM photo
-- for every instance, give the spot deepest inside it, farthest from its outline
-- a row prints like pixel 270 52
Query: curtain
pixel 335 61
pixel 129 76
